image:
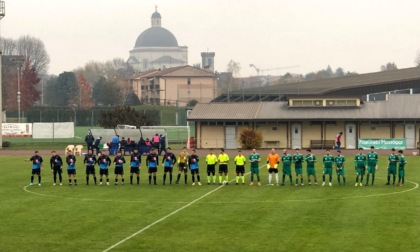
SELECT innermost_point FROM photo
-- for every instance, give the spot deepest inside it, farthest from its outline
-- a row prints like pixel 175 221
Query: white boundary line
pixel 161 219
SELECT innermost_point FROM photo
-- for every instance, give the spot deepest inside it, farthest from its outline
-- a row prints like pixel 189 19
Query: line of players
pixel 363 164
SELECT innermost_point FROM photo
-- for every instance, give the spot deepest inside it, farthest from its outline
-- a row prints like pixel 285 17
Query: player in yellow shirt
pixel 240 161
pixel 183 164
pixel 223 166
pixel 273 160
pixel 211 161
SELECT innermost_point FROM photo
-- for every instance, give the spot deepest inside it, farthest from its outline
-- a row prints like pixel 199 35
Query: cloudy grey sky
pixel 358 35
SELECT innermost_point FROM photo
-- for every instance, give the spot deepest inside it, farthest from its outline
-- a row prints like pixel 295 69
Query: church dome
pixel 156 37
pixel 156 15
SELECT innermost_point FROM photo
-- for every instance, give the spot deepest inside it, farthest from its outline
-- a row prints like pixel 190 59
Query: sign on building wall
pixel 383 144
pixel 16 129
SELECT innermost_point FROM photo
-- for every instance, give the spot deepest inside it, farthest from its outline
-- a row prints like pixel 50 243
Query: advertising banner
pixel 16 129
pixel 383 144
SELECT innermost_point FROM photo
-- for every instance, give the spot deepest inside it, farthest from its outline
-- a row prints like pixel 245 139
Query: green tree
pixel 123 115
pixel 68 89
pixel 106 92
pixel 389 66
pixel 250 138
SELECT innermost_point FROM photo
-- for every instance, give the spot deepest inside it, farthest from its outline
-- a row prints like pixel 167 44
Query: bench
pixel 270 144
pixel 322 144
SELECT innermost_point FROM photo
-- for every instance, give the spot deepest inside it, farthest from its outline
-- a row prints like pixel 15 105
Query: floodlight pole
pixel 2 14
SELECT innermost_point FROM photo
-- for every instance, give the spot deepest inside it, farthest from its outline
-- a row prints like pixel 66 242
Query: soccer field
pixel 207 218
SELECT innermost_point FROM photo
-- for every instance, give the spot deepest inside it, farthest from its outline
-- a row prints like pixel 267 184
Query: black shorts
pixel 195 171
pixel 182 167
pixel 90 170
pixel 103 172
pixel 36 171
pixel 223 168
pixel 240 169
pixel 211 168
pixel 119 171
pixel 168 169
pixel 271 170
pixel 153 170
pixel 135 170
pixel 57 170
pixel 71 171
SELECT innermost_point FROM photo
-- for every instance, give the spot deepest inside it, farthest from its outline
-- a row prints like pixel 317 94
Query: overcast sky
pixel 358 35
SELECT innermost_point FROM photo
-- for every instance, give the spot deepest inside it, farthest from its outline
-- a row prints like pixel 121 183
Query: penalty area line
pixel 167 216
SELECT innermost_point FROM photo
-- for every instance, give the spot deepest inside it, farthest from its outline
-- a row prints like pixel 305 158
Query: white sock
pixel 277 178
pixel 270 176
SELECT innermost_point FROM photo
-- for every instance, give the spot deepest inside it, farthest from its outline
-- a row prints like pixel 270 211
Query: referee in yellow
pixel 211 161
pixel 240 161
pixel 223 159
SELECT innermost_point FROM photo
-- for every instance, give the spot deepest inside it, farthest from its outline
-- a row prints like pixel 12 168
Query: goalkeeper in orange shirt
pixel 273 160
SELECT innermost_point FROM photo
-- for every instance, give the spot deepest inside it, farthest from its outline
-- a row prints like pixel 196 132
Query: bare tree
pixel 8 46
pixel 34 50
pixel 389 66
pixel 234 68
pixel 417 59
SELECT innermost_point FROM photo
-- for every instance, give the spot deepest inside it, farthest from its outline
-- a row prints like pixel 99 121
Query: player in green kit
pixel 254 159
pixel 372 164
pixel 286 159
pixel 360 166
pixel 298 160
pixel 327 162
pixel 310 166
pixel 392 166
pixel 340 160
pixel 402 162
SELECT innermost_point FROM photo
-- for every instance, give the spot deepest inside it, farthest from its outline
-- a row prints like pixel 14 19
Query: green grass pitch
pixel 229 218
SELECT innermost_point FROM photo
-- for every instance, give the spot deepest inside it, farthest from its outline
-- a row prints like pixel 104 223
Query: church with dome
pixel 157 48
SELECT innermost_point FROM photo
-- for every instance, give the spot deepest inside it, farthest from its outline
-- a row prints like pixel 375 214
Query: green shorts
pixel 401 173
pixel 298 171
pixel 287 171
pixel 392 170
pixel 255 170
pixel 371 169
pixel 310 171
pixel 340 172
pixel 327 171
pixel 360 171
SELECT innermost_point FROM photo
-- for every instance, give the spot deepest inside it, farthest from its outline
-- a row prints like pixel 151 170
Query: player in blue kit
pixel 135 161
pixel 119 162
pixel 71 167
pixel 36 167
pixel 152 163
pixel 168 161
pixel 104 162
pixel 90 161
pixel 56 164
pixel 193 163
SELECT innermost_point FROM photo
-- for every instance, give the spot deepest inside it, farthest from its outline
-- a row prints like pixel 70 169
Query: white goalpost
pixel 174 133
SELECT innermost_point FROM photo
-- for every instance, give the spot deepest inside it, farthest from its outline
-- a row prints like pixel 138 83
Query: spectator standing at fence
pixel 96 145
pixel 90 161
pixel 156 142
pixel 162 144
pixel 168 161
pixel 123 144
pixel 338 140
pixel 71 167
pixel 89 139
pixel 36 167
pixel 56 164
pixel 114 145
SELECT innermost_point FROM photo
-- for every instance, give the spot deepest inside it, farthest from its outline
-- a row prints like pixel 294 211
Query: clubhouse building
pixel 382 105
